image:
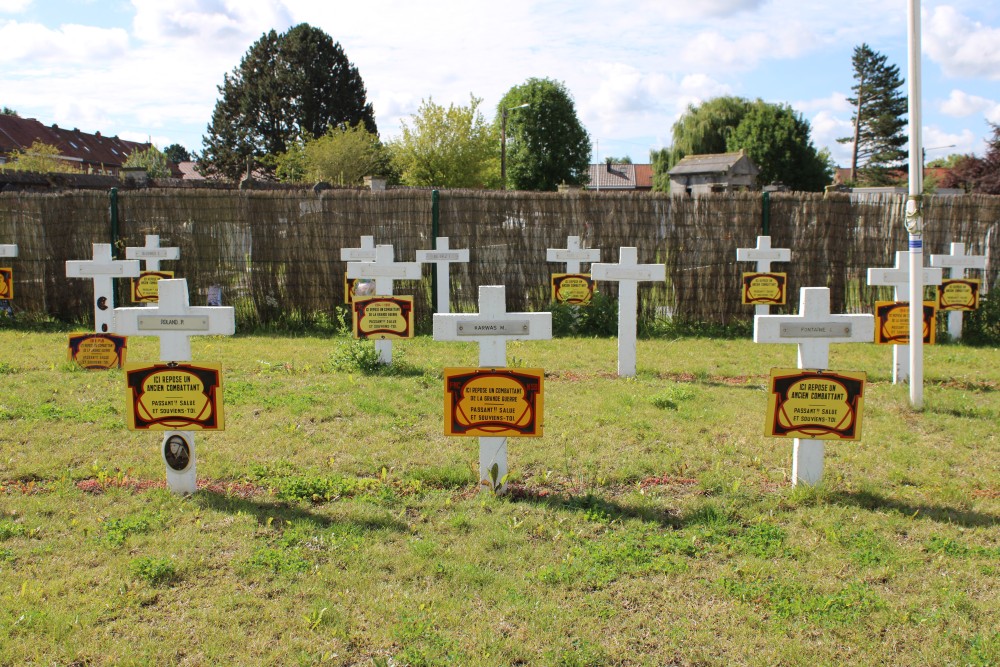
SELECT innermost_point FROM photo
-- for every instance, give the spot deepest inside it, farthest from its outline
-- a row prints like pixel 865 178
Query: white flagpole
pixel 914 213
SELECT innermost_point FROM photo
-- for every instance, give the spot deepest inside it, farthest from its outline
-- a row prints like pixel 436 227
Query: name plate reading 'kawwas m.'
pixel 494 328
pixel 178 323
pixel 815 330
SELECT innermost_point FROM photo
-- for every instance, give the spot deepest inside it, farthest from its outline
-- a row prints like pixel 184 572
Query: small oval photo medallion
pixel 177 453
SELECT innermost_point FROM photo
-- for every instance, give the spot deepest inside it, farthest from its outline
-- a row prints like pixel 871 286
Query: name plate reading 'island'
pixel 815 330
pixel 815 404
pixel 168 397
pixel 185 323
pixel 494 328
pixel 493 402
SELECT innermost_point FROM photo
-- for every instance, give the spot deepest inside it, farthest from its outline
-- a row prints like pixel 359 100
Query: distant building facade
pixel 696 175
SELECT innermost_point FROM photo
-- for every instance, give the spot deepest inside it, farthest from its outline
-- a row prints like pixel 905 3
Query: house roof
pixel 714 163
pixel 644 176
pixel 19 133
pixel 613 176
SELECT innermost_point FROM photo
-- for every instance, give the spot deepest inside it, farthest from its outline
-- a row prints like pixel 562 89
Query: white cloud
pixel 13 6
pixel 941 143
pixel 834 102
pixel 712 50
pixel 827 127
pixel 961 105
pixel 34 43
pixel 209 22
pixel 961 46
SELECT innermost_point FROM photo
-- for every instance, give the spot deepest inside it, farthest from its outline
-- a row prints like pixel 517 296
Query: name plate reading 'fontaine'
pixel 494 328
pixel 179 323
pixel 815 330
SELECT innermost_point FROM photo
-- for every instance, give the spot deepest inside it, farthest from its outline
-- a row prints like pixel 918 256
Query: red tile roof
pixel 92 151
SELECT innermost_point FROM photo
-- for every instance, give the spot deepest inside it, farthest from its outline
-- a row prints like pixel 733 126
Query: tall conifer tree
pixel 879 114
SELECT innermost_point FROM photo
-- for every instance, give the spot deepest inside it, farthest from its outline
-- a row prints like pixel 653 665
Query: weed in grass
pixel 983 650
pixel 9 529
pixel 7 555
pixel 946 546
pixel 154 571
pixel 276 561
pixel 763 540
pixel 7 368
pixel 672 397
pixel 792 600
pixel 423 642
pixel 867 548
pixel 449 476
pixel 116 531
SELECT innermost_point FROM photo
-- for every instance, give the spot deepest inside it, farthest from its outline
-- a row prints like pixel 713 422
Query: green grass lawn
pixel 652 524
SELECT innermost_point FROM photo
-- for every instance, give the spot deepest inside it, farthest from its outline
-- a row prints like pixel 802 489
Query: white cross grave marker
pixel 366 253
pixel 957 262
pixel 442 256
pixel 152 253
pixel 898 277
pixel 102 269
pixel 174 321
pixel 814 329
pixel 628 272
pixel 763 254
pixel 572 254
pixel 492 327
pixel 384 270
pixel 8 250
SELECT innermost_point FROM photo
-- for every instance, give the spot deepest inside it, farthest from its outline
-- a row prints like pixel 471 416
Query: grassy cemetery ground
pixel 652 524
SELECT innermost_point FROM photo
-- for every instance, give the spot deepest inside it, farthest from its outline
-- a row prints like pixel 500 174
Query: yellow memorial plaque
pixel 815 404
pixel 892 322
pixel 383 317
pixel 97 351
pixel 959 294
pixel 576 289
pixel 764 289
pixel 146 288
pixel 6 283
pixel 172 396
pixel 489 402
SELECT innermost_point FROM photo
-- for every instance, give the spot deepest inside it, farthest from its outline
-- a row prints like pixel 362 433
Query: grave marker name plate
pixel 817 330
pixel 186 323
pixel 494 328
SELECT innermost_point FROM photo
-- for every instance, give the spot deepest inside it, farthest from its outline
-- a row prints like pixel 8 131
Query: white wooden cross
pixel 628 272
pixel 814 329
pixel 102 269
pixel 174 321
pixel 763 254
pixel 366 253
pixel 384 269
pixel 152 253
pixel 572 254
pixel 957 262
pixel 898 277
pixel 442 256
pixel 8 250
pixel 492 327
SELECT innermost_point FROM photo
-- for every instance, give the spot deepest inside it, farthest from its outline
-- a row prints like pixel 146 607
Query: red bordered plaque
pixel 174 397
pixel 501 402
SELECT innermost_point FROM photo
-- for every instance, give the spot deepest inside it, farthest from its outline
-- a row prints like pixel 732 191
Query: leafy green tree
pixel 879 110
pixel 152 160
pixel 618 160
pixel 776 138
pixel 448 148
pixel 546 143
pixel 701 130
pixel 177 153
pixel 343 156
pixel 7 111
pixel 41 158
pixel 287 88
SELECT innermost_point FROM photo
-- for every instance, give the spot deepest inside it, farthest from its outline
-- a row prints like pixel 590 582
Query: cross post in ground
pixel 814 329
pixel 628 272
pixel 385 270
pixel 442 256
pixel 491 328
pixel 763 254
pixel 957 262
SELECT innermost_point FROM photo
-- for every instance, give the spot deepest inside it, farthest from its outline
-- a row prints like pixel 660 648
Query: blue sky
pixel 149 69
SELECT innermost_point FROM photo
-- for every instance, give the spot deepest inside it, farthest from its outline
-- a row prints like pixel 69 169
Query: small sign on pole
pixel 958 294
pixel 767 291
pixel 764 289
pixel 494 402
pixel 816 404
pixel 384 270
pixel 893 319
pixel 382 317
pixel 94 351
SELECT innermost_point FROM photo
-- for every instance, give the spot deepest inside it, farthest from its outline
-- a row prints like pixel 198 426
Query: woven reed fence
pixel 277 254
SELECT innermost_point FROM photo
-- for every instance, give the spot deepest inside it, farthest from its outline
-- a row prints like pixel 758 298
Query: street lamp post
pixel 503 142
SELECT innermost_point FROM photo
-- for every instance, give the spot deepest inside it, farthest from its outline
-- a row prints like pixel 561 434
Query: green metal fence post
pixel 766 214
pixel 435 232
